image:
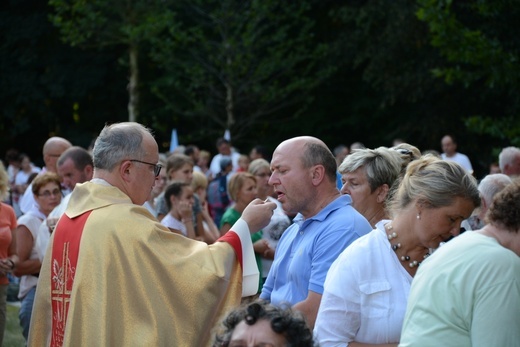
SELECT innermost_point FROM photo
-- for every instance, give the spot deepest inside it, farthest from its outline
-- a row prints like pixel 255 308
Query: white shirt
pixel 365 294
pixel 172 222
pixel 460 159
pixel 214 167
pixel 32 221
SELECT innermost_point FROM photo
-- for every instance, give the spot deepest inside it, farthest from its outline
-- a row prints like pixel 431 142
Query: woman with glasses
pixel 46 189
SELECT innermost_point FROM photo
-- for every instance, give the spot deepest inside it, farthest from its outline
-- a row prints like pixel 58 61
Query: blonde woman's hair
pixel 436 183
pixel 199 181
pixel 258 164
pixel 236 182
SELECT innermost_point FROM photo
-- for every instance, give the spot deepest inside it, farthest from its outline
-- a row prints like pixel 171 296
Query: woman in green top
pixel 242 190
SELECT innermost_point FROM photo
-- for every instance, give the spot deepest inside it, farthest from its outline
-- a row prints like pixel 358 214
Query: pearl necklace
pixel 392 235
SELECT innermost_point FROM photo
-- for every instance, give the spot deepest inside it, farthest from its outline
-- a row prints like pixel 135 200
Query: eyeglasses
pixel 156 167
pixel 48 193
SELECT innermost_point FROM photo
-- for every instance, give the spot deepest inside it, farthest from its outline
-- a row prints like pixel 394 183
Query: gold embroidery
pixel 62 279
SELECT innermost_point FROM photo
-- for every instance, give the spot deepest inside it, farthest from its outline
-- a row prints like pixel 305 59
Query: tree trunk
pixel 229 106
pixel 133 90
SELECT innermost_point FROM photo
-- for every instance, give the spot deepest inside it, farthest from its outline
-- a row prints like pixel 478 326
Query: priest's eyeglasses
pixel 156 167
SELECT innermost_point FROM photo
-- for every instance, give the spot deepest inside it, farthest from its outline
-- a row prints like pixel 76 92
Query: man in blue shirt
pixel 304 178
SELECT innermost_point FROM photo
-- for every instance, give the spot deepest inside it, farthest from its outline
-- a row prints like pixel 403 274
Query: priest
pixel 114 276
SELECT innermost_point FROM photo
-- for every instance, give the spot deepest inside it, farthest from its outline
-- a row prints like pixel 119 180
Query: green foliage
pixel 390 47
pixel 231 64
pixel 506 128
pixel 470 35
pixel 100 23
pixel 42 79
pixel 481 46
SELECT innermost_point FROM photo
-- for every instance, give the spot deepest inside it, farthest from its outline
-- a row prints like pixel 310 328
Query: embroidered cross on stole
pixel 65 251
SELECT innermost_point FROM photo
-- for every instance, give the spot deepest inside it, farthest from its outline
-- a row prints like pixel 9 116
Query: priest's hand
pixel 258 214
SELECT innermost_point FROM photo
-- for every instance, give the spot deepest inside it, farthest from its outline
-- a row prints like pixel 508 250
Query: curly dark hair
pixel 284 320
pixel 505 209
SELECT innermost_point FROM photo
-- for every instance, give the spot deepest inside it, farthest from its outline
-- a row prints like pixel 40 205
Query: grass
pixel 13 332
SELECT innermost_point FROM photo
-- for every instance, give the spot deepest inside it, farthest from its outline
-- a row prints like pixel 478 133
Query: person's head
pixel 449 145
pixel 4 182
pixel 52 149
pixel 260 168
pixel 436 196
pixel 494 168
pixel 161 182
pixel 126 156
pixel 176 192
pixel 193 152
pixel 340 153
pixel 490 186
pixel 242 187
pixel 226 165
pixel 259 152
pixel 243 162
pixel 12 157
pixel 367 175
pixel 408 153
pixel 199 184
pixel 503 213
pixel 75 166
pixel 25 162
pixel 179 167
pixel 261 324
pixel 356 145
pixel 46 189
pixel 509 161
pixel 223 146
pixel 204 158
pixel 303 170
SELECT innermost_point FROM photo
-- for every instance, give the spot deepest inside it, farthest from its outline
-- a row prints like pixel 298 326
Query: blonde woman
pixel 366 289
pixel 199 184
pixel 242 190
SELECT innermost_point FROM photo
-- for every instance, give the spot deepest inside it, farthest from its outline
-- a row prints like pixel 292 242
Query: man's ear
pixel 125 170
pixel 89 170
pixel 317 174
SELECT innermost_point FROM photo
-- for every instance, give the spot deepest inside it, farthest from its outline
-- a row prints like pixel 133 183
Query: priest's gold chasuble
pixel 114 276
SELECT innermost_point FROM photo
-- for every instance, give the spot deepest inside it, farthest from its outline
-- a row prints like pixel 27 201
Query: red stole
pixel 234 240
pixel 65 249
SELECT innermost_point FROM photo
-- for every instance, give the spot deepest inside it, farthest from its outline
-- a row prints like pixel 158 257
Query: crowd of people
pixel 120 244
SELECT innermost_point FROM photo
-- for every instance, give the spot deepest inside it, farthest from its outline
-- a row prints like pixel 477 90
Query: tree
pixel 48 88
pixel 99 23
pixel 388 47
pixel 230 64
pixel 480 43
